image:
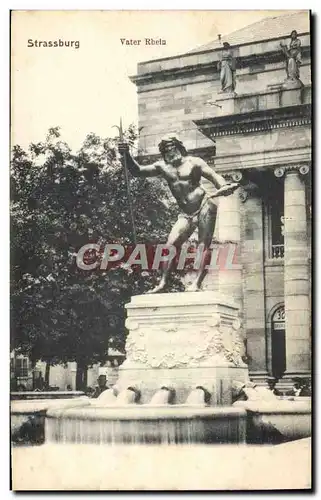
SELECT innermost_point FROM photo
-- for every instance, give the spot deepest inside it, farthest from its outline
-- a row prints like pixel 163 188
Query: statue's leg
pixel 206 228
pixel 181 231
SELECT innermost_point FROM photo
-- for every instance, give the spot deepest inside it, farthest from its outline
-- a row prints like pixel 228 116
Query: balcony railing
pixel 277 251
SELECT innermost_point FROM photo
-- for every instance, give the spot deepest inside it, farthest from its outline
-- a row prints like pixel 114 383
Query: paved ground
pixel 198 467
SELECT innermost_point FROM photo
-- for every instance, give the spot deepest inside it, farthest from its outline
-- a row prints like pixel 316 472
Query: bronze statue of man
pixel 183 174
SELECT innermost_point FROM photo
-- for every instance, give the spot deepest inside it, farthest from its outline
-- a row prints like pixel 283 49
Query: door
pixel 278 343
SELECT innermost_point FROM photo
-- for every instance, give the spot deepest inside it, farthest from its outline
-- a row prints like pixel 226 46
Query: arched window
pixel 278 318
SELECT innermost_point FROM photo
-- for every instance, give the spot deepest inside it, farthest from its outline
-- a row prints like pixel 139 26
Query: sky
pixel 87 89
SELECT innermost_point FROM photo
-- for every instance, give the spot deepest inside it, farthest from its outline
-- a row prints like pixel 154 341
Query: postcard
pixel 161 227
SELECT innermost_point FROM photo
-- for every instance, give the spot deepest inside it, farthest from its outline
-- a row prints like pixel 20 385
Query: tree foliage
pixel 61 201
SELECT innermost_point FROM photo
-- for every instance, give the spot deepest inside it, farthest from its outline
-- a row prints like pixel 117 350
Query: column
pixel 229 235
pixel 230 282
pixel 254 284
pixel 296 273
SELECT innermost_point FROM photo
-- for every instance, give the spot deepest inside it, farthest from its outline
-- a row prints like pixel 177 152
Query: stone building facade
pixel 261 137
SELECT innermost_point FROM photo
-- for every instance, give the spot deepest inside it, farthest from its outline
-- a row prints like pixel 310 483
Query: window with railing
pixel 277 251
pixel 275 224
pixel 277 230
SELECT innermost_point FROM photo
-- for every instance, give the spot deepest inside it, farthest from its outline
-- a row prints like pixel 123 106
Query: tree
pixel 61 201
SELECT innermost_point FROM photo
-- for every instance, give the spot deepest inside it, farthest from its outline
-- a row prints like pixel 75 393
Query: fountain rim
pixel 145 412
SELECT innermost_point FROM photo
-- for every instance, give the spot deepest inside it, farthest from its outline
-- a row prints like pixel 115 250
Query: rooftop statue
pixel 183 174
pixel 227 68
pixel 292 54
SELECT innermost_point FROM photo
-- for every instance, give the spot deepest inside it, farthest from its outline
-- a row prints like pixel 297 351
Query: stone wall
pixel 172 92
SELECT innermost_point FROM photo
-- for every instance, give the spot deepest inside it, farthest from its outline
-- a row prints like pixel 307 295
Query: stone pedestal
pixel 226 103
pixel 183 341
pixel 291 96
pixel 292 84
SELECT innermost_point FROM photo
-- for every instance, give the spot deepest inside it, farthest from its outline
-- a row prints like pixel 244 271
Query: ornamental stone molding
pixel 236 325
pixel 245 191
pixel 243 195
pixel 259 127
pixel 304 169
pixel 255 120
pixel 281 171
pixel 250 190
pixel 235 175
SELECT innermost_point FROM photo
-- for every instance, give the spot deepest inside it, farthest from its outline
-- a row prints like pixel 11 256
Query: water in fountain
pixel 129 396
pixel 198 396
pixel 106 398
pixel 142 424
pixel 257 393
pixel 164 396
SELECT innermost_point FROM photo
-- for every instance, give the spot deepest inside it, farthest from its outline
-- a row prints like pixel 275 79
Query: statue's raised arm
pixel 135 169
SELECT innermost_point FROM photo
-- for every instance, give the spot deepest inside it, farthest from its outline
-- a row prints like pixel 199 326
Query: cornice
pixel 256 121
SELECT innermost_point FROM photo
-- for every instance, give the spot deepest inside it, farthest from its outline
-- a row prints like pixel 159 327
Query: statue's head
pixel 226 45
pixel 294 34
pixel 172 149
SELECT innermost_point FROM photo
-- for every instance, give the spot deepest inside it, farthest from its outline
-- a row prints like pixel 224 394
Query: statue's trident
pixel 129 196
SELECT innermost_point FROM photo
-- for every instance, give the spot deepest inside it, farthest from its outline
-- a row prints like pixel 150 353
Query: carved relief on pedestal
pixel 237 344
pixel 184 344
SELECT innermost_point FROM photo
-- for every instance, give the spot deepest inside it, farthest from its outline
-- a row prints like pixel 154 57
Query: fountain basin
pixel 46 395
pixel 142 424
pixel 28 417
pixel 276 421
